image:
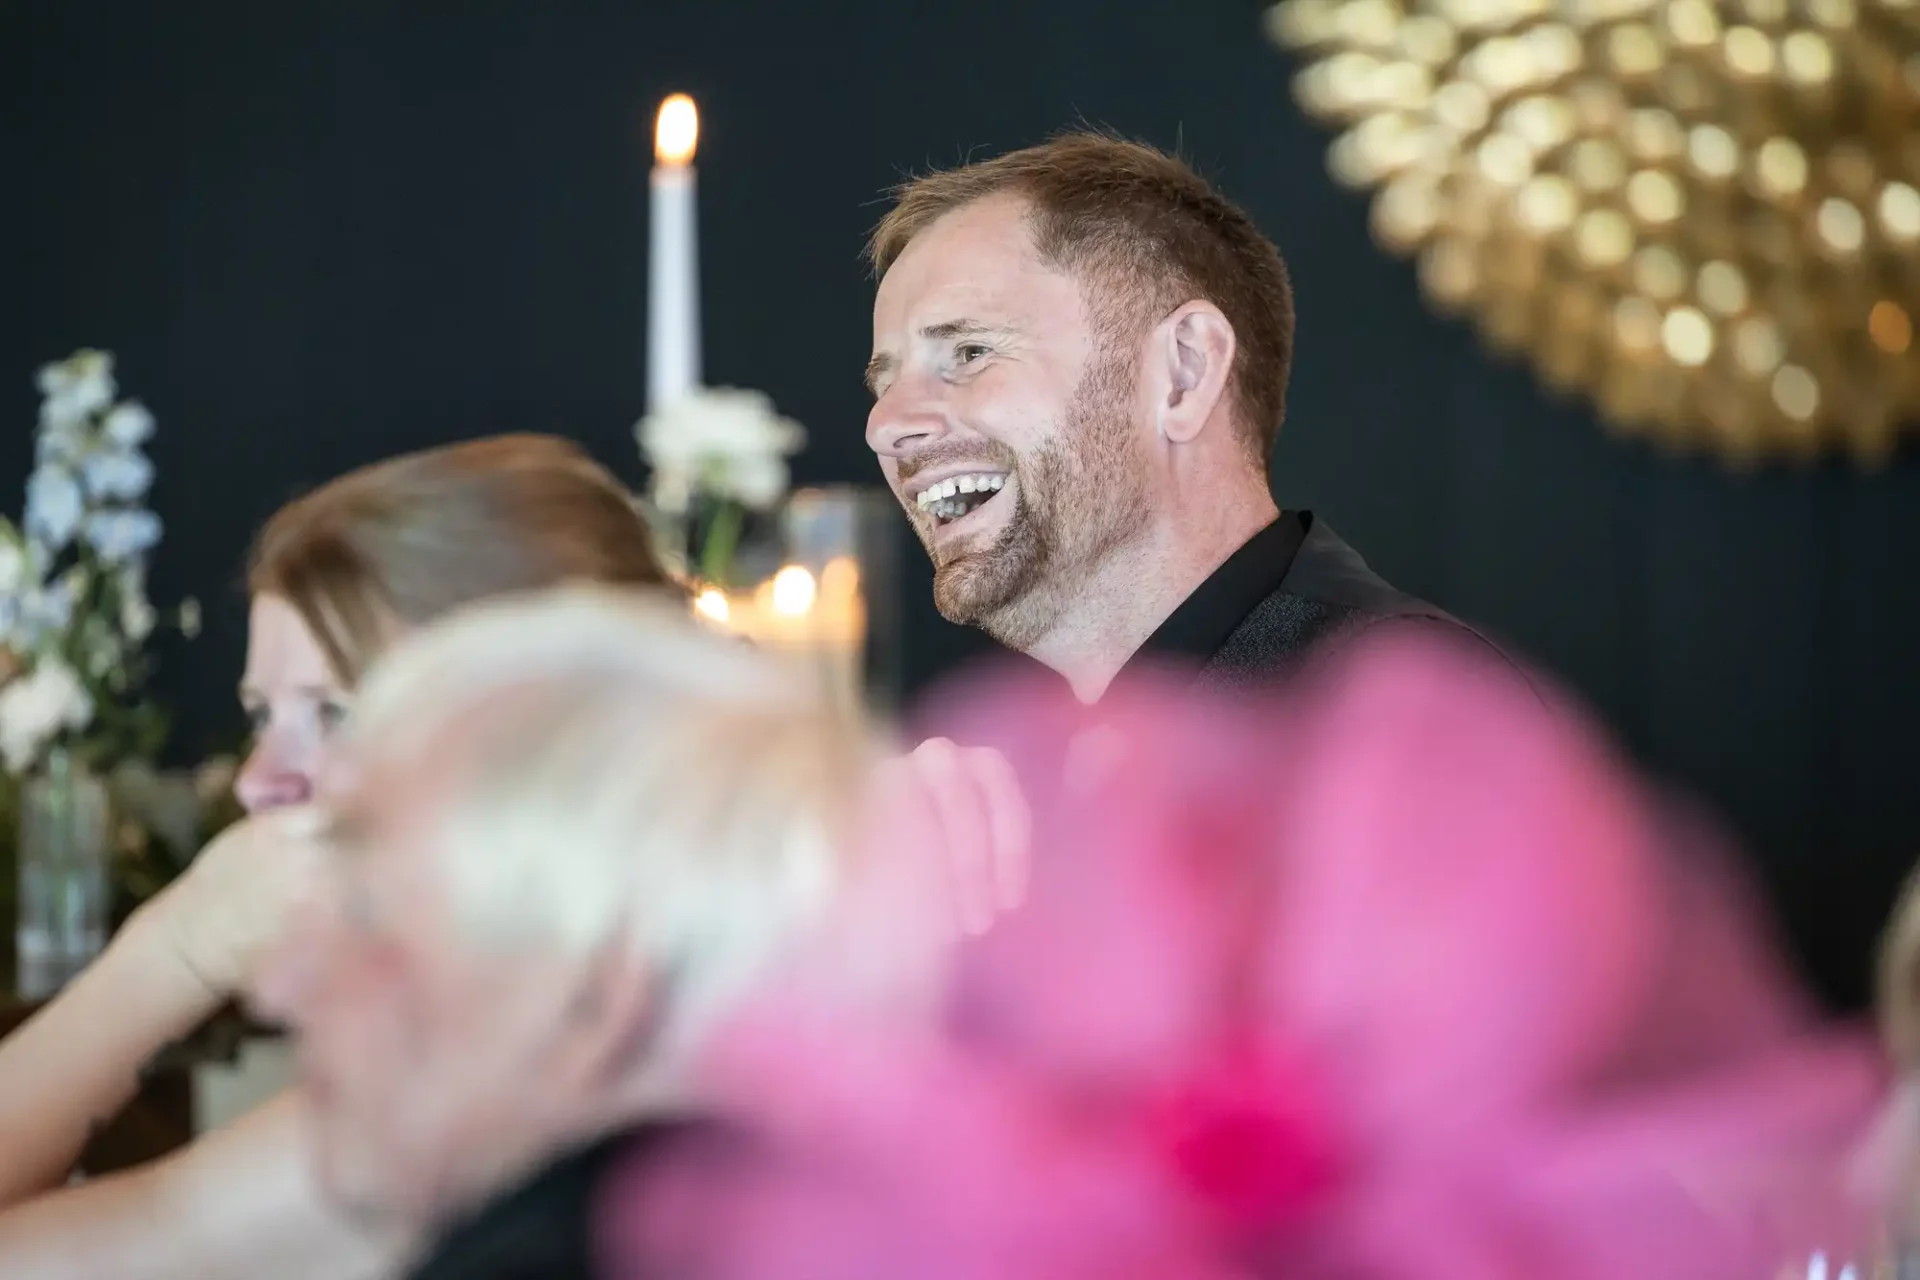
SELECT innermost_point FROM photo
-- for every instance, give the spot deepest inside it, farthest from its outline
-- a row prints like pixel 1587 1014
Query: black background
pixel 318 233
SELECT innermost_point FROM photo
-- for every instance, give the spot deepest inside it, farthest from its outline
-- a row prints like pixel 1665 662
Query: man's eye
pixel 968 352
pixel 331 714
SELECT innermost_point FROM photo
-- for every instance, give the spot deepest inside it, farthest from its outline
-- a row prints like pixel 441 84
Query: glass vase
pixel 64 847
pixel 824 591
pixel 844 537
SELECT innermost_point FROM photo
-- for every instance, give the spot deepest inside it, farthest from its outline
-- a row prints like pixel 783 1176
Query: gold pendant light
pixel 1705 216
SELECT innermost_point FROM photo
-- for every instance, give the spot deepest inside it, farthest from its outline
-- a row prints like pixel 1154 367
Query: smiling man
pixel 1080 360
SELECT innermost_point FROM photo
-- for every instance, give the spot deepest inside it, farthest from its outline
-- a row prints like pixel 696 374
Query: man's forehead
pixel 979 257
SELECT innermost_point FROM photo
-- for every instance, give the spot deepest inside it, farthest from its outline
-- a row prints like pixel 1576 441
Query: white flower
pixel 87 367
pixel 54 507
pixel 60 442
pixel 13 567
pixel 726 440
pixel 120 536
pixel 719 423
pixel 36 707
pixel 44 610
pixel 136 617
pixel 757 482
pixel 117 475
pixel 73 584
pixel 105 651
pixel 78 386
pixel 129 425
pixel 673 487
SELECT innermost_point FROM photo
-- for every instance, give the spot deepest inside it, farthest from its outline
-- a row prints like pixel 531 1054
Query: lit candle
pixel 821 617
pixel 673 280
pixel 713 605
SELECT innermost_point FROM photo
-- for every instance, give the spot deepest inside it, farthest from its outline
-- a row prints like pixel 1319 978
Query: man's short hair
pixel 1145 229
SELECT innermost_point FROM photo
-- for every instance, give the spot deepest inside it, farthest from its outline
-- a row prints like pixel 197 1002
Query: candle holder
pixel 844 536
pixel 831 600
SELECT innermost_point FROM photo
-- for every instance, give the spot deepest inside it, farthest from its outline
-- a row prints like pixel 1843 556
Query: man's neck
pixel 1122 601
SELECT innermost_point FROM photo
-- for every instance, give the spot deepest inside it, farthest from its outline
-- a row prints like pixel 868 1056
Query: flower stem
pixel 722 540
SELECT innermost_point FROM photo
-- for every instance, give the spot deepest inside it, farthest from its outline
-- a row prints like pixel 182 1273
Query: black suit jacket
pixel 545 1228
pixel 1293 591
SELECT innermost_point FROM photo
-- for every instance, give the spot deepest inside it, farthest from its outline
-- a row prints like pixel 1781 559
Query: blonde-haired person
pixel 571 834
pixel 335 577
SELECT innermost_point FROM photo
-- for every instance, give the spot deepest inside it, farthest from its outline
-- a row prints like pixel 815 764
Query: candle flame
pixel 840 579
pixel 793 591
pixel 713 604
pixel 676 132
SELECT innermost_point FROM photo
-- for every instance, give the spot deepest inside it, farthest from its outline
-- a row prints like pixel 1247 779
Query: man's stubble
pixel 1079 498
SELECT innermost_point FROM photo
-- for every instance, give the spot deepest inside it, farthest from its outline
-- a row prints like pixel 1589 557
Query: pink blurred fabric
pixel 1400 975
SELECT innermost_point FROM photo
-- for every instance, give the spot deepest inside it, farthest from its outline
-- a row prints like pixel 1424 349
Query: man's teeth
pixel 948 499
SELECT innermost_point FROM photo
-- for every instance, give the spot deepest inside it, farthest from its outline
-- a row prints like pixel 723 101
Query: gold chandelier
pixel 1706 216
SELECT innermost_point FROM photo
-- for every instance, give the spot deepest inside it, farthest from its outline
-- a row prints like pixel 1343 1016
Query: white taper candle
pixel 673 264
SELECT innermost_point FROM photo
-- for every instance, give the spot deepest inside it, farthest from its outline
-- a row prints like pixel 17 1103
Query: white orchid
pixel 723 445
pixel 721 441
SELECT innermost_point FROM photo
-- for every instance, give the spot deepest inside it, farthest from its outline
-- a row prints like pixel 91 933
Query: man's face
pixel 1004 420
pixel 418 1050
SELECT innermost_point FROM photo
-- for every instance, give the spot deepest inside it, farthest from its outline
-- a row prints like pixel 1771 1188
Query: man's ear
pixel 1189 361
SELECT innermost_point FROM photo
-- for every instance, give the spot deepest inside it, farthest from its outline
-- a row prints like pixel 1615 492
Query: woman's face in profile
pixel 293 699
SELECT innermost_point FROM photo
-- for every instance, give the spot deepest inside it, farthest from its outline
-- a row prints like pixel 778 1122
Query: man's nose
pixel 903 423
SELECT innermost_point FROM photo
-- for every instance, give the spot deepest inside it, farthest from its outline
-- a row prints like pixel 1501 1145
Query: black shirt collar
pixel 545 1227
pixel 1197 629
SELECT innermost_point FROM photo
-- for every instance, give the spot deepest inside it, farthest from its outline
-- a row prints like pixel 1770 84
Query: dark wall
pixel 317 233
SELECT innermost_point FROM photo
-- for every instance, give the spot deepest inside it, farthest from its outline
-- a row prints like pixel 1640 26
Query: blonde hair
pixel 610 774
pixel 401 542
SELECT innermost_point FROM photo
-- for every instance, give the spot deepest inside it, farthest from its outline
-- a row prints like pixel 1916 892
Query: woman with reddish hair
pixel 335 576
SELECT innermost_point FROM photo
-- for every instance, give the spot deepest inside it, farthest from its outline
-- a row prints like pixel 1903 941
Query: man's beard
pixel 1077 498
